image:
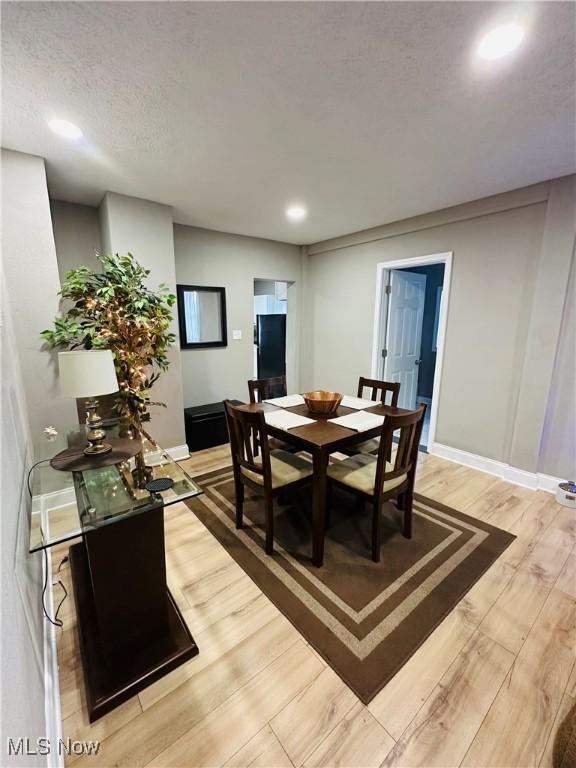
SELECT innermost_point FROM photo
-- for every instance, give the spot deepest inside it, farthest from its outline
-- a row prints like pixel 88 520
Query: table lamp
pixel 88 373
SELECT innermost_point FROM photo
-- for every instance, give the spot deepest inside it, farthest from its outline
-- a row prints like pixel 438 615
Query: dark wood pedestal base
pixel 113 674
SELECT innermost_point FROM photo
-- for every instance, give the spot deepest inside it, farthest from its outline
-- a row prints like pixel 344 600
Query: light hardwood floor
pixel 487 688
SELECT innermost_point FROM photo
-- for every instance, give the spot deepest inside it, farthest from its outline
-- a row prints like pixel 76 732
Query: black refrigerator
pixel 271 343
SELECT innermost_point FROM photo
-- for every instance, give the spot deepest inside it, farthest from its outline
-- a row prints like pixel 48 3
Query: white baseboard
pixel 179 452
pixel 536 481
pixel 548 482
pixel 52 708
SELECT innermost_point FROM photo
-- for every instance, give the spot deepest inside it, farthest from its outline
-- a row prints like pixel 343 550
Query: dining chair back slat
pixel 379 390
pixel 244 428
pixel 410 427
pixel 265 389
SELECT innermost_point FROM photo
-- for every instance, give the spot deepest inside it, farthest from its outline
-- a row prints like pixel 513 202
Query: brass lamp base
pixel 94 431
pixel 99 448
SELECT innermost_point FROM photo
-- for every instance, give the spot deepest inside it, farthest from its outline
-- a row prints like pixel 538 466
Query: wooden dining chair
pixel 271 473
pixel 379 394
pixel 380 390
pixel 265 389
pixel 375 479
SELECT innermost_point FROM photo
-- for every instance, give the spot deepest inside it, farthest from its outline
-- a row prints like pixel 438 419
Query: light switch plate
pixel 236 335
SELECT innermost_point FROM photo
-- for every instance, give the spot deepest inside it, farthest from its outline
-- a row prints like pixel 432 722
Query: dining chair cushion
pixel 359 472
pixel 286 468
pixel 368 446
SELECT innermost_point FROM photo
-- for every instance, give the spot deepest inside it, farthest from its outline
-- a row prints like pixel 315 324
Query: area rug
pixel 366 619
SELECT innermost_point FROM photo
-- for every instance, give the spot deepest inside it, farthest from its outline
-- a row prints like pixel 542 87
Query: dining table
pixel 322 438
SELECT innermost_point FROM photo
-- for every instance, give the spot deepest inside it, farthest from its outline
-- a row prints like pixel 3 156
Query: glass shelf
pixel 67 504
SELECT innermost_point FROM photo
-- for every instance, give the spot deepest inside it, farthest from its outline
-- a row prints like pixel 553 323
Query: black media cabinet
pixel 206 425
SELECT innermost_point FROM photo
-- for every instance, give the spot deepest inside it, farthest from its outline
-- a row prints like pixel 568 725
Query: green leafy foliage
pixel 114 309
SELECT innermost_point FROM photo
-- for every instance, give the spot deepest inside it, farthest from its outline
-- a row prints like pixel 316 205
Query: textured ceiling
pixel 365 112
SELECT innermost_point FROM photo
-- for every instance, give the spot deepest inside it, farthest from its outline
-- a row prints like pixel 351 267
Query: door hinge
pixel 388 289
pixel 384 352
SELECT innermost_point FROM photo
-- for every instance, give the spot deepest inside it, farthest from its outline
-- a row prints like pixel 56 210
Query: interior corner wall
pixel 146 229
pixel 25 243
pixel 544 322
pixel 496 246
pixel 76 235
pixel 22 666
pixel 32 282
pixel 558 449
pixel 205 257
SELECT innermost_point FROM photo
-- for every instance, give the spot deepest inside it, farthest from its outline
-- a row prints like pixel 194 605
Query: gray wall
pixel 145 229
pixel 201 257
pixel 497 247
pixel 511 259
pixel 544 323
pixel 558 452
pixel 204 257
pixel 21 668
pixel 76 235
pixel 32 282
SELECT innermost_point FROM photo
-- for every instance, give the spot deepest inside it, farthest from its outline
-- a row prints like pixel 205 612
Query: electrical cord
pixel 32 468
pixel 54 621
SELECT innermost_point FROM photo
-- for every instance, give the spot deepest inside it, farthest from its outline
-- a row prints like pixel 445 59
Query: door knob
pixel 417 362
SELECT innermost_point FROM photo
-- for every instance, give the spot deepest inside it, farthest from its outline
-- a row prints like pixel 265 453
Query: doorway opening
pixel 410 323
pixel 270 316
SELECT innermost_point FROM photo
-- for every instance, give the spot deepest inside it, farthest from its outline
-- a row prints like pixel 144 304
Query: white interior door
pixel 404 332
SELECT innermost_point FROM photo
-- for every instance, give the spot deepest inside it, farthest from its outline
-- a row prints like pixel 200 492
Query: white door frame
pixel 381 313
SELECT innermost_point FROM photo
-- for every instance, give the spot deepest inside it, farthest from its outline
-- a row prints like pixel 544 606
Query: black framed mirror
pixel 201 316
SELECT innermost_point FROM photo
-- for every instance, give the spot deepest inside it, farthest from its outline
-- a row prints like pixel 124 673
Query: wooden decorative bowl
pixel 322 402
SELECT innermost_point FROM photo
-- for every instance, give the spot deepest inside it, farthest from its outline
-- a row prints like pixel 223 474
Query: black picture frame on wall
pixel 209 301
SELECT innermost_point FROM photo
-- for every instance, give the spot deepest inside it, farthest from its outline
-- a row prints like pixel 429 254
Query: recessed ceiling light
pixel 66 129
pixel 296 212
pixel 500 41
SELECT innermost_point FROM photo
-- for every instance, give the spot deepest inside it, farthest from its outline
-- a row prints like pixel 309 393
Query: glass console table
pixel 130 629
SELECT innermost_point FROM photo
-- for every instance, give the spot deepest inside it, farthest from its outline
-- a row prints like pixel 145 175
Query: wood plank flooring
pixel 487 688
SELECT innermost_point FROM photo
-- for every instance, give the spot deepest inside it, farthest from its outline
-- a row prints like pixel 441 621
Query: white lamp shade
pixel 87 373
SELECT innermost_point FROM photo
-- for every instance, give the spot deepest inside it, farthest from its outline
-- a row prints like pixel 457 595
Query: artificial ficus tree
pixel 114 309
